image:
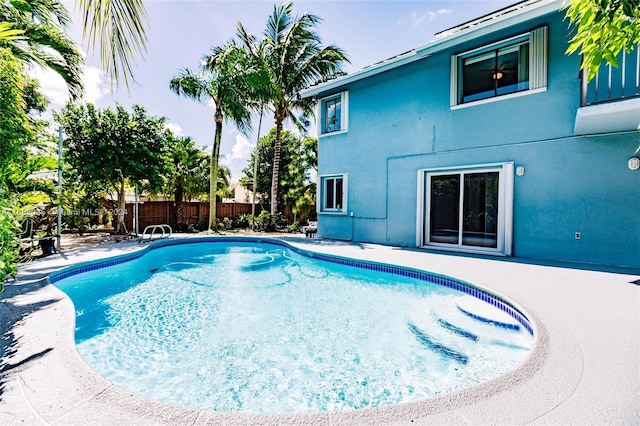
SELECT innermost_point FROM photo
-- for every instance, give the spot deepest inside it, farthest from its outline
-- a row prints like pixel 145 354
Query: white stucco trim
pixel 499 98
pixel 609 117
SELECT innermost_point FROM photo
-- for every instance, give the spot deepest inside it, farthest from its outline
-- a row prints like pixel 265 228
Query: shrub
pixel 242 221
pixel 271 222
pixel 201 225
pixel 9 242
pixel 184 227
pixel 295 227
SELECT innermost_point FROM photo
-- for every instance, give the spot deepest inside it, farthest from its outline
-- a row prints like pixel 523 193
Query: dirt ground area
pixel 71 241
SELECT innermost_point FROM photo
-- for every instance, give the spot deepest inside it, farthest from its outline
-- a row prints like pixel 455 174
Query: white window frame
pixel 505 208
pixel 538 59
pixel 321 208
pixel 344 113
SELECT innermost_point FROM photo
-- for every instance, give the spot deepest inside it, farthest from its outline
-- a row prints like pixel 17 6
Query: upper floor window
pixel 333 113
pixel 518 64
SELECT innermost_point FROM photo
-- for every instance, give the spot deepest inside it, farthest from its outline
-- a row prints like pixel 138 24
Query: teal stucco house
pixel 486 140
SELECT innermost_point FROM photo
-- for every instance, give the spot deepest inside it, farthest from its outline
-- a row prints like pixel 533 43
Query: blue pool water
pixel 244 327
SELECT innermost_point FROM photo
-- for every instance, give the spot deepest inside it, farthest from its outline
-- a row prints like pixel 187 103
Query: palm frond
pixel 190 84
pixel 9 34
pixel 120 27
pixel 52 48
pixel 42 39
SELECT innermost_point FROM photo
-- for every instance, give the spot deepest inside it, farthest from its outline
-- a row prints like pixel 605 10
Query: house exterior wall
pixel 401 122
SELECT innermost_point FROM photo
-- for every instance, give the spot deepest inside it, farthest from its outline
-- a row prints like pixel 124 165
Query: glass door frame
pixel 505 207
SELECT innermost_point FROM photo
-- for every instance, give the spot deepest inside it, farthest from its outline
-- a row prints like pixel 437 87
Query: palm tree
pixel 293 56
pixel 34 33
pixel 221 80
pixel 185 161
pixel 119 27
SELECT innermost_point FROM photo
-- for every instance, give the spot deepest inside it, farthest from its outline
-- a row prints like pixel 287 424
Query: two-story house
pixel 486 140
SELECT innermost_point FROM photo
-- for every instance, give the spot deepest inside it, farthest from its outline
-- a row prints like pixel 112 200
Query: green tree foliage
pixel 298 159
pixel 109 147
pixel 8 34
pixel 15 125
pixel 603 29
pixel 20 131
pixel 221 79
pixel 301 194
pixel 42 39
pixel 294 58
pixel 185 177
pixel 9 243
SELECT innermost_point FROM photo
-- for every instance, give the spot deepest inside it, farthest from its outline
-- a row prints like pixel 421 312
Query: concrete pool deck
pixel 585 368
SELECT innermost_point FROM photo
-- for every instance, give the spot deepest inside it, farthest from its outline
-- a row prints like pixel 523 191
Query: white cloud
pixel 96 85
pixel 237 159
pixel 175 129
pixel 241 150
pixel 428 16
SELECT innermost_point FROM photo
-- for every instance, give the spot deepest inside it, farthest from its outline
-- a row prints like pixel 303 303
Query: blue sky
pixel 182 31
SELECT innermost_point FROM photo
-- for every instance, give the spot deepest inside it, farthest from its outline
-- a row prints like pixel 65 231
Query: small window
pixel 510 66
pixel 333 114
pixel 333 193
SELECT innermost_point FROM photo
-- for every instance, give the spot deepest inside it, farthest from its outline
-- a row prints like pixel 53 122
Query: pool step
pixel 434 346
pixel 486 320
pixel 457 330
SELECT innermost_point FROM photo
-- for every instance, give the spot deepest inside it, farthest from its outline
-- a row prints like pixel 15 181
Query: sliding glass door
pixel 464 208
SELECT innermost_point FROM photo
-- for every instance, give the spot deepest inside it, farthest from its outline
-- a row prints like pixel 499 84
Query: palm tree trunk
pixel 121 228
pixel 213 177
pixel 178 195
pixel 275 177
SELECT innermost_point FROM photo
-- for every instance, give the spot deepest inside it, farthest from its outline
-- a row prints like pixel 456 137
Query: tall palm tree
pixel 295 59
pixel 222 81
pixel 119 27
pixel 41 39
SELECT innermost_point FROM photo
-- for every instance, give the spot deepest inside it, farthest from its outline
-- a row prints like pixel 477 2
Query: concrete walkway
pixel 585 368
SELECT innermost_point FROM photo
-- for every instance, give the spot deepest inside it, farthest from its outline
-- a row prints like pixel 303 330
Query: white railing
pixel 150 232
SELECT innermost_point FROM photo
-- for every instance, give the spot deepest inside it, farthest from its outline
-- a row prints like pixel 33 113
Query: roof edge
pixel 485 25
pixel 368 71
pixel 490 23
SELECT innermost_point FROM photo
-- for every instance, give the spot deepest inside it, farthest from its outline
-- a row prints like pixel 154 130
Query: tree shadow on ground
pixel 12 314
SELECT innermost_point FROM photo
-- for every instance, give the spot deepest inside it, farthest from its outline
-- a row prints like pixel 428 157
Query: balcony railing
pixel 613 84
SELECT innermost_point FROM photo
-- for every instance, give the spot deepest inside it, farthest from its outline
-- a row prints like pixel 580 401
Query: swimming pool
pixel 258 326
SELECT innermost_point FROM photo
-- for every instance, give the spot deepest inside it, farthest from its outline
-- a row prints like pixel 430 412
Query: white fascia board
pixel 498 23
pixel 383 66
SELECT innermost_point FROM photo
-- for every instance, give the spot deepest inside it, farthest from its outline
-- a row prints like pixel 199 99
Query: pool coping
pixel 45 381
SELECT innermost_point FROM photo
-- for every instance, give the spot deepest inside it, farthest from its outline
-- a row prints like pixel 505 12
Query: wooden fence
pixel 163 212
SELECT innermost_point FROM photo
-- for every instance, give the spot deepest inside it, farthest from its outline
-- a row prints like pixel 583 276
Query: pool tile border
pixel 443 280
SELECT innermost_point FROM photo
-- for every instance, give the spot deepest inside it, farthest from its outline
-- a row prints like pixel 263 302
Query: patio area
pixel 585 368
